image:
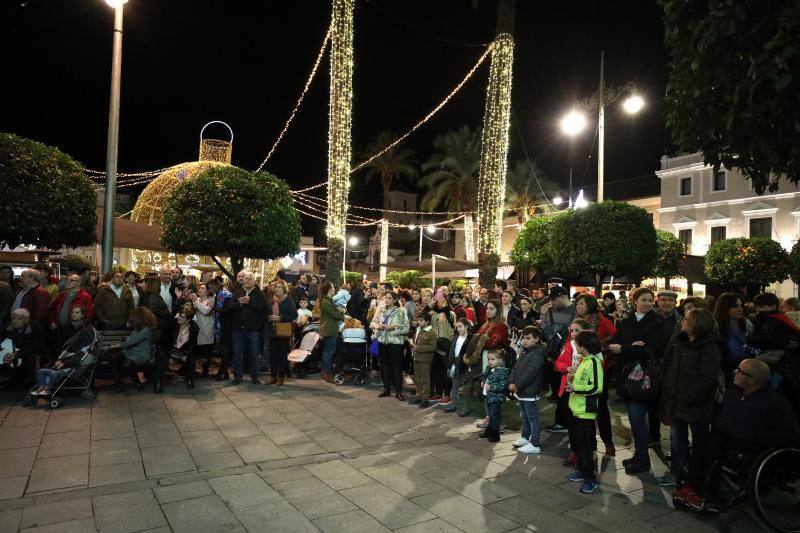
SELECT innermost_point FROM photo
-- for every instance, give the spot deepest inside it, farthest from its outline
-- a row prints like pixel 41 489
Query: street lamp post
pixel 112 145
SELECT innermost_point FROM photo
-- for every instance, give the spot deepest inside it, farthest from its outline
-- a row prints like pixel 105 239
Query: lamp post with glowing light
pixel 574 122
pixel 112 145
pixel 352 241
pixel 430 228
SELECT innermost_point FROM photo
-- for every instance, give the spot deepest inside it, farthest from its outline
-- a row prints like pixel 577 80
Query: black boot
pixel 205 369
pixel 190 382
pixel 118 387
pixel 493 435
pixel 157 386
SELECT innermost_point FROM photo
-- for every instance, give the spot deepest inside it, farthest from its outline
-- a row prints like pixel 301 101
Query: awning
pixel 130 234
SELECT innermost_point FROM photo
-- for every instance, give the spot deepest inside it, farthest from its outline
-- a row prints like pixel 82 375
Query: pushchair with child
pixel 74 371
pixel 352 355
pixel 305 358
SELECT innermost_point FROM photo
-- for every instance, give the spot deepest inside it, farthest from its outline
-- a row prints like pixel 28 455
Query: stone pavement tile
pixel 20 437
pixel 645 504
pixel 207 441
pixel 313 498
pixel 206 514
pixel 113 474
pixel 402 480
pixel 417 461
pixel 281 475
pixel 464 513
pixel 59 473
pixel 338 474
pixel 182 404
pixel 112 428
pixel 334 440
pixel 239 428
pixel 275 516
pixel 243 490
pixel 386 506
pixel 351 425
pixel 609 519
pixel 61 444
pixel 256 448
pixel 372 439
pixel 127 512
pixel 182 491
pixel 302 449
pixel 155 417
pixel 193 422
pixel 51 513
pixel 217 461
pixel 286 406
pixel 20 416
pixel 365 461
pixel 157 435
pixel 246 400
pixel 350 522
pixel 9 520
pixel 437 525
pixel 160 460
pixel 115 451
pixel 687 521
pixel 284 433
pixel 15 463
pixel 472 486
pixel 84 525
pixel 74 421
pixel 263 415
pixel 308 420
pixel 538 517
pixel 13 487
pixel 473 463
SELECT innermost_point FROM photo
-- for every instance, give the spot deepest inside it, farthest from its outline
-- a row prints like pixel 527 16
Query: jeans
pixel 250 341
pixel 585 440
pixel 48 377
pixel 529 415
pixel 457 379
pixel 637 414
pixel 328 349
pixel 391 366
pixel 278 350
pixel 493 410
pixel 679 446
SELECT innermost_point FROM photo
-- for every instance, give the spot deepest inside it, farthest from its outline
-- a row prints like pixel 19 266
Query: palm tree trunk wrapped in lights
pixel 339 149
pixel 494 155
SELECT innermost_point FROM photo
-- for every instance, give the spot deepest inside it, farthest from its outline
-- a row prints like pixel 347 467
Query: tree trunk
pixel 387 187
pixel 666 283
pixel 487 269
pixel 598 285
pixel 333 267
pixel 231 276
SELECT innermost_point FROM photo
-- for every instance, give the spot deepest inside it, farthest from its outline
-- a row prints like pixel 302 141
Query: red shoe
pixel 435 398
pixel 682 492
pixel 690 498
pixel 571 461
pixel 445 399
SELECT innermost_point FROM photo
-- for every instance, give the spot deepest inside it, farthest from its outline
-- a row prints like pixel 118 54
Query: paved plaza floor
pixel 308 456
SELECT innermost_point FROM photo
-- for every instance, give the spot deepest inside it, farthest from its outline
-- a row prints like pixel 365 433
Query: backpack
pixel 555 336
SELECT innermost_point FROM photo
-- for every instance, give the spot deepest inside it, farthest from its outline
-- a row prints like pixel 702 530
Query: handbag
pixel 283 330
pixel 442 346
pixel 643 383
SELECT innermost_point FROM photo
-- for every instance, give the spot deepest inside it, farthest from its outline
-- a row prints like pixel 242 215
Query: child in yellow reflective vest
pixel 585 386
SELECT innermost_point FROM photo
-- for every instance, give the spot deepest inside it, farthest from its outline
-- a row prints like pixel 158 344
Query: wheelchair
pixel 769 481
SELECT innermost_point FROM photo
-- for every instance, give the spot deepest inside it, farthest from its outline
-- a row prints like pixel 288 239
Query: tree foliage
pixel 524 185
pixel 48 200
pixel 229 211
pixel 391 166
pixel 451 173
pixel 531 247
pixel 408 279
pixel 794 263
pixel 75 263
pixel 670 253
pixel 734 84
pixel 742 261
pixel 608 238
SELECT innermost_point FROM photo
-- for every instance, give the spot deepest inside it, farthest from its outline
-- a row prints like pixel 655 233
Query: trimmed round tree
pixel 530 249
pixel 794 263
pixel 670 253
pixel 609 238
pixel 228 211
pixel 49 201
pixel 741 261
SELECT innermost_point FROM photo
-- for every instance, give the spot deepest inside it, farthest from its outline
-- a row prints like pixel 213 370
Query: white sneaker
pixel 521 442
pixel 529 448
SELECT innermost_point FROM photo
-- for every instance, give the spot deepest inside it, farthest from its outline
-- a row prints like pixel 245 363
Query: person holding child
pixel 423 347
pixel 525 382
pixel 495 383
pixel 329 317
pixel 584 385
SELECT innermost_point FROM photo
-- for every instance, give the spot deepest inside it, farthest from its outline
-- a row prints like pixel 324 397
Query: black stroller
pixel 352 356
pixel 79 361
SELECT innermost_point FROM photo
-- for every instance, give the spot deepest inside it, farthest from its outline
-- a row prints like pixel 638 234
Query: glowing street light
pixel 558 200
pixel 353 241
pixel 573 123
pixel 580 201
pixel 412 227
pixel 116 3
pixel 633 104
pixel 431 228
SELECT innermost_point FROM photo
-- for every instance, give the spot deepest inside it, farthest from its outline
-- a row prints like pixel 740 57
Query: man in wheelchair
pixel 753 418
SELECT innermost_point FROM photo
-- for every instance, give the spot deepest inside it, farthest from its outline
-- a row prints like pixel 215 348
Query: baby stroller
pixel 353 356
pixel 79 353
pixel 305 357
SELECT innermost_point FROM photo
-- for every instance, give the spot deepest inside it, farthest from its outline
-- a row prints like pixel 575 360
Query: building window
pixel 761 227
pixel 718 233
pixel 718 183
pixel 685 236
pixel 686 186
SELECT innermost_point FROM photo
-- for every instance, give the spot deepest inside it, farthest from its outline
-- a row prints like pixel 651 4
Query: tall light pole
pixel 112 145
pixel 574 121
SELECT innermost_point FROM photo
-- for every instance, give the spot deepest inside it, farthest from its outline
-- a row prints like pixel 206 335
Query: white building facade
pixel 701 206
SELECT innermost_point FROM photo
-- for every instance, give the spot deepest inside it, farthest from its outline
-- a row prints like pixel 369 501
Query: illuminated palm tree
pixel 523 193
pixel 391 166
pixel 451 173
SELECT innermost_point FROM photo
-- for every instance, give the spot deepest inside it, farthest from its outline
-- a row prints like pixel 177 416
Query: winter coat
pixel 190 346
pixel 37 302
pixel 497 378
pixel 329 318
pixel 772 331
pixel 6 301
pixel 82 298
pixel 493 336
pixel 457 359
pixel 155 303
pixel 425 345
pixel 567 358
pixel 760 420
pixel 527 372
pixel 587 384
pixel 396 317
pixel 647 329
pixel 443 323
pixel 138 346
pixel 691 377
pixel 112 311
pixel 205 317
pixel 287 310
pixel 249 316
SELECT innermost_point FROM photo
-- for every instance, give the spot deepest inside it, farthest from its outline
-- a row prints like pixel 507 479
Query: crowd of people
pixel 723 371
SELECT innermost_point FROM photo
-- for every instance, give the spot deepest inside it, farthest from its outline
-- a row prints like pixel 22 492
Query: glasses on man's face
pixel 738 370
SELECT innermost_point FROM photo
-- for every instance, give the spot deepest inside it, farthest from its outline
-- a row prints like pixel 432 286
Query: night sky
pixel 244 62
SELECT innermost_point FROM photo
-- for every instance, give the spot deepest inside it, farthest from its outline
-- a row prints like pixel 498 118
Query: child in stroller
pixel 353 355
pixel 76 362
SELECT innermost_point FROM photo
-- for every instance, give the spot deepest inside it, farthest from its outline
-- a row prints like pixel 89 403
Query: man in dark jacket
pixel 772 330
pixel 525 381
pixel 301 290
pixel 247 307
pixel 32 297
